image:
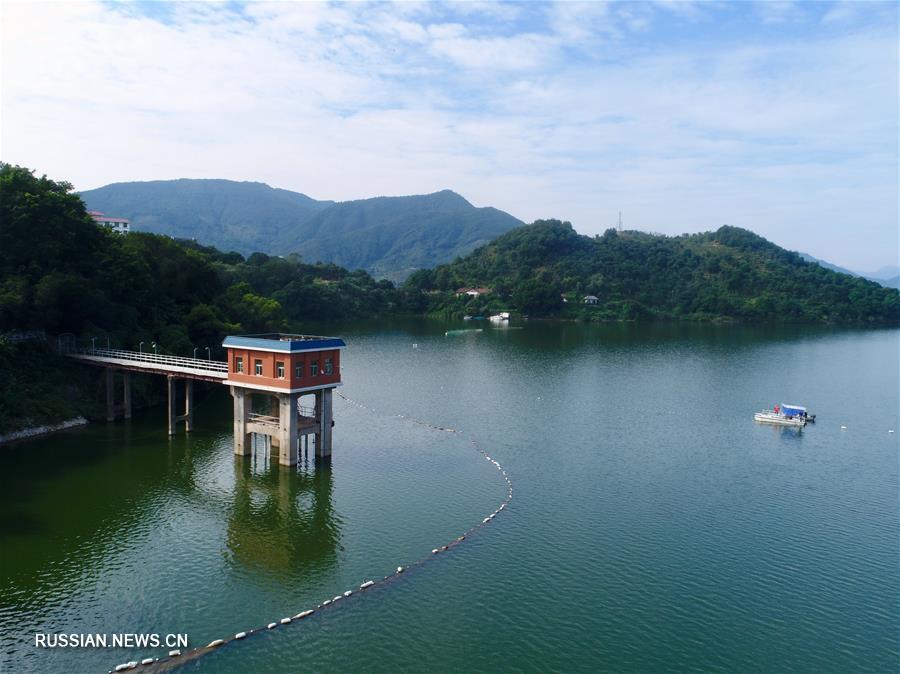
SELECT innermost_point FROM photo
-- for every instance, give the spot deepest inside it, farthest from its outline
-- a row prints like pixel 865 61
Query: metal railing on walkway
pixel 157 361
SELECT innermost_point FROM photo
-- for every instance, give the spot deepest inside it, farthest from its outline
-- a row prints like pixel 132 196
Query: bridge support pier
pixel 110 395
pixel 126 395
pixel 111 407
pixel 242 443
pixel 288 437
pixel 324 416
pixel 188 416
pixel 275 411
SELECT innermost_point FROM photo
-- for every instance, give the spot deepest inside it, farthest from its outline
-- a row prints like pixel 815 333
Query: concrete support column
pixel 317 413
pixel 288 440
pixel 242 445
pixel 110 396
pixel 126 393
pixel 274 411
pixel 324 415
pixel 188 405
pixel 173 414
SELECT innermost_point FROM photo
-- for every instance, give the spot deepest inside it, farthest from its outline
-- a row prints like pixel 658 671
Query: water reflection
pixel 282 522
pixel 544 335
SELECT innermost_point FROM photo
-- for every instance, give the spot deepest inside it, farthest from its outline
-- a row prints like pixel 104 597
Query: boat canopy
pixel 792 410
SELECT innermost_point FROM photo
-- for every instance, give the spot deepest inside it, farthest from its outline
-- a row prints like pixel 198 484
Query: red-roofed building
pixel 118 225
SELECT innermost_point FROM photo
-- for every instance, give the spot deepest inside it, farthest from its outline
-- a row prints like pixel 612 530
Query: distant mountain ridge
pixel 387 236
pixel 888 276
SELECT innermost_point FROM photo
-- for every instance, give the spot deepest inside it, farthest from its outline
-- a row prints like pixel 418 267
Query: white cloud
pixel 541 111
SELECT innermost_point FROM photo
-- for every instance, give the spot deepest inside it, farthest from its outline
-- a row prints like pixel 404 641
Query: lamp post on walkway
pixel 141 347
pixel 207 354
pixel 93 344
pixel 154 348
pixel 195 352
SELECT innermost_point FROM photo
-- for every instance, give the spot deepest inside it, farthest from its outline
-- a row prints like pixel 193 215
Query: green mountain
pixel 393 236
pixel 61 273
pixel 239 216
pixel 729 274
pixel 387 236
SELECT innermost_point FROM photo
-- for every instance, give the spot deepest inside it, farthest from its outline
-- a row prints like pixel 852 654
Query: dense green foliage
pixel 40 387
pixel 387 236
pixel 729 274
pixel 62 273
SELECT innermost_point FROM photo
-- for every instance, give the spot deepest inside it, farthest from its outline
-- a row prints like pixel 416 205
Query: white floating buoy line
pixel 172 660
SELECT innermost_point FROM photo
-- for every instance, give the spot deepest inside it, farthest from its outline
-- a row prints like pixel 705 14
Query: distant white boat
pixel 499 318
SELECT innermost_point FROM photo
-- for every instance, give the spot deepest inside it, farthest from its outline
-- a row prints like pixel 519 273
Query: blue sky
pixel 780 117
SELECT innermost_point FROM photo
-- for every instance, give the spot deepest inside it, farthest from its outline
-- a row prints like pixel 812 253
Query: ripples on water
pixel 655 527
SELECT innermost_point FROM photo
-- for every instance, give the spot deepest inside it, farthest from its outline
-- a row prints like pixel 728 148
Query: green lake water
pixel 654 525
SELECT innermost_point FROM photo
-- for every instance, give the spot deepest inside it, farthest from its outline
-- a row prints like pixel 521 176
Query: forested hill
pixel 229 215
pixel 60 272
pixel 387 236
pixel 729 274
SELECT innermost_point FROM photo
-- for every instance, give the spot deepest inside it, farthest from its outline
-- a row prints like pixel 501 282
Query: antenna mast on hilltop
pixel 620 221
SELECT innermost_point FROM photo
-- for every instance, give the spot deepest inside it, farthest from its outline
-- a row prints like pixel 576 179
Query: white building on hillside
pixel 118 225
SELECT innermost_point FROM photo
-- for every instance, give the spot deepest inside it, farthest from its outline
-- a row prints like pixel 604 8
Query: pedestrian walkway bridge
pixel 140 361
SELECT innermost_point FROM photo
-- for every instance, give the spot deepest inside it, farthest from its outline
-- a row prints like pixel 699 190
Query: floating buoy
pixel 336 598
pixel 175 653
pixel 348 593
pixel 891 431
pixel 399 569
pixel 132 664
pixel 215 644
pixel 147 661
pixel 435 551
pixel 486 520
pixel 240 635
pixel 271 625
pixel 843 428
pixel 122 667
pixel 368 583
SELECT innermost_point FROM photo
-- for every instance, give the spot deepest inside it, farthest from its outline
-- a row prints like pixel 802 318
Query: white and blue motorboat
pixel 785 415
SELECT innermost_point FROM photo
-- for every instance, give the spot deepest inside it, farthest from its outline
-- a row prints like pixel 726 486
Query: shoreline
pixel 47 429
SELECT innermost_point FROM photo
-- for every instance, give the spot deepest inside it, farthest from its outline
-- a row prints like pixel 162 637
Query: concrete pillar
pixel 188 405
pixel 170 385
pixel 324 415
pixel 288 441
pixel 126 393
pixel 110 396
pixel 242 446
pixel 274 411
pixel 317 413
